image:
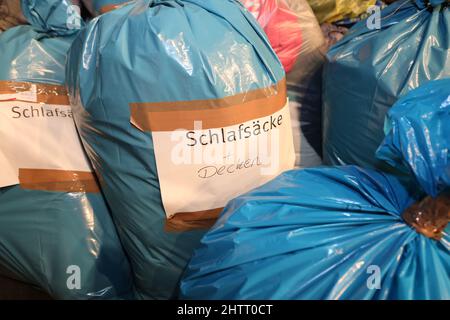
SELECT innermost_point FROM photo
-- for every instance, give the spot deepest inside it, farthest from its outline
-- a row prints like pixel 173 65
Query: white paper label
pixel 37 136
pixel 202 170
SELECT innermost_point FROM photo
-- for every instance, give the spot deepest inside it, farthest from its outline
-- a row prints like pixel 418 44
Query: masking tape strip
pixel 45 93
pixel 58 180
pixel 214 113
pixel 188 221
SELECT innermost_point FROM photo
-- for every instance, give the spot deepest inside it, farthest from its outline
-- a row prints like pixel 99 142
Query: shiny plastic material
pixel 62 242
pixel 133 55
pixel 97 7
pixel 55 17
pixel 295 35
pixel 418 136
pixel 282 26
pixel 326 233
pixel 335 10
pixel 369 70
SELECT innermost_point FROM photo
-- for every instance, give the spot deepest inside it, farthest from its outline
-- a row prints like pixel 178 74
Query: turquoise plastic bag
pixel 55 17
pixel 326 233
pixel 418 136
pixel 342 232
pixel 63 242
pixel 131 60
pixel 370 69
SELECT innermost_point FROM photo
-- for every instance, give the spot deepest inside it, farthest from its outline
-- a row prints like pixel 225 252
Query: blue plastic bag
pixel 55 234
pixel 370 69
pixel 130 65
pixel 418 136
pixel 342 232
pixel 326 233
pixel 55 17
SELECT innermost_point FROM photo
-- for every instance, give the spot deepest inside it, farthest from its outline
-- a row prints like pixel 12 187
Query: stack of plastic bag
pixel 56 232
pixel 171 117
pixel 295 35
pixel 342 232
pixel 371 68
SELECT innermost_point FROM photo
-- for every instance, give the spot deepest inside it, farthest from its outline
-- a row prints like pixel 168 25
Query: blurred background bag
pixel 370 69
pixel 295 35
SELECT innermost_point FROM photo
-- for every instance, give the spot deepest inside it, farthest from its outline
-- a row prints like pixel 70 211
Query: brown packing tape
pixel 213 113
pixel 58 180
pixel 11 14
pixel 46 93
pixel 429 216
pixel 111 7
pixel 188 221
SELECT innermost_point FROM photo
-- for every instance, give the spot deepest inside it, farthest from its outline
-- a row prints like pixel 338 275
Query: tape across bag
pixel 420 121
pixel 342 232
pixel 177 121
pixel 296 37
pixel 56 232
pixel 371 68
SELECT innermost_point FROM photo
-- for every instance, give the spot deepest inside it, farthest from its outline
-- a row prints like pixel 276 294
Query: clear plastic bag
pixel 295 35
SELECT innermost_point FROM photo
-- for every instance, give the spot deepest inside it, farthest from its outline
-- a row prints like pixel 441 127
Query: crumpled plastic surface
pixel 44 233
pixel 133 55
pixel 55 17
pixel 97 7
pixel 325 233
pixel 427 3
pixel 10 14
pixel 282 26
pixel 342 232
pixel 369 70
pixel 418 136
pixel 332 10
pixel 294 34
